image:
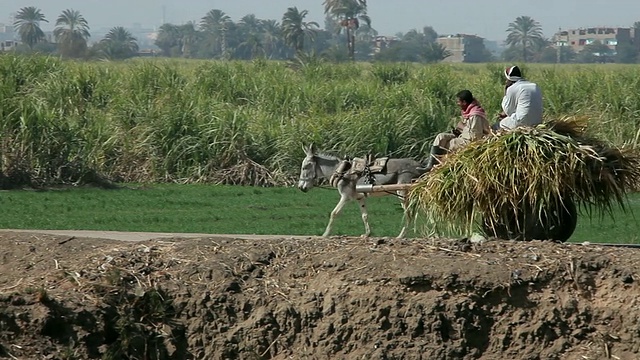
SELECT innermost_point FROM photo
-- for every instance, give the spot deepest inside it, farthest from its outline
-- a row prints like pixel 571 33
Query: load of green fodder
pixel 517 184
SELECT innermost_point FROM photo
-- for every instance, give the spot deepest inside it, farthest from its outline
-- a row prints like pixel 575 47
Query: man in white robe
pixel 522 102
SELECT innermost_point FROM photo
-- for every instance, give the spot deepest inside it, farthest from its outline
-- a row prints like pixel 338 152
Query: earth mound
pixel 338 298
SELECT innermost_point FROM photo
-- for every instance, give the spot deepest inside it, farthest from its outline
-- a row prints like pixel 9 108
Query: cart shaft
pixel 368 188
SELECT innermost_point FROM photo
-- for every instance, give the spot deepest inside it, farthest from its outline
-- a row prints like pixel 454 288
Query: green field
pixel 236 210
pixel 162 122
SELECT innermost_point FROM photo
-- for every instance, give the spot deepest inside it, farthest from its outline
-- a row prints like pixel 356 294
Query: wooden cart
pixel 519 224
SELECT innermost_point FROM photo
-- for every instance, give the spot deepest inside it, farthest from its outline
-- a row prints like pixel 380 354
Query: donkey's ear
pixel 312 148
pixel 309 150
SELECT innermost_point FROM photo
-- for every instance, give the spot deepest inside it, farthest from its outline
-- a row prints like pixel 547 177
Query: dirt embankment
pixel 63 298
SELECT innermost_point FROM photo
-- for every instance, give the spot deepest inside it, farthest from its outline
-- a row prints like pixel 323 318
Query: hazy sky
pixel 486 18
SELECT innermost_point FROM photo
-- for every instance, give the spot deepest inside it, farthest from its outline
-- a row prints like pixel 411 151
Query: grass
pixel 191 208
pixel 161 120
pixel 237 210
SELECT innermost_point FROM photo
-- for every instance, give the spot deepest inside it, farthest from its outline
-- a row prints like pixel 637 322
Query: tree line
pixel 71 35
pixel 347 35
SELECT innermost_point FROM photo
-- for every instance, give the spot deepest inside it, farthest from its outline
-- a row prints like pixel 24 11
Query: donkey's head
pixel 308 169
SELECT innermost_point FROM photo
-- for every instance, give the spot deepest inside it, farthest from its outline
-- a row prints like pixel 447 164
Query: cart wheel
pixel 559 225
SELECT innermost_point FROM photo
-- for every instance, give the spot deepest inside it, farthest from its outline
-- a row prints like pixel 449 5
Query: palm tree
pixel 526 33
pixel 168 38
pixel 430 34
pixel 295 29
pixel 189 37
pixel 27 24
pixel 252 45
pixel 434 52
pixel 119 43
pixel 71 33
pixel 250 24
pixel 272 36
pixel 215 25
pixel 350 13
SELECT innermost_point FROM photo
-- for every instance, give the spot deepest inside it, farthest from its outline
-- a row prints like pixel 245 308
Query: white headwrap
pixel 512 73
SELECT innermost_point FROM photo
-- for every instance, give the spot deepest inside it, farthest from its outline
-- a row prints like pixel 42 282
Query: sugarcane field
pixel 201 209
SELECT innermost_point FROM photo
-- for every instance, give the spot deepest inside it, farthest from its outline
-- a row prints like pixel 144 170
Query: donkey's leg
pixel 405 218
pixel 334 213
pixel 365 216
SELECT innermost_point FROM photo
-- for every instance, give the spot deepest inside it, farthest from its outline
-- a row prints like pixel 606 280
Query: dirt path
pixel 87 295
pixel 146 236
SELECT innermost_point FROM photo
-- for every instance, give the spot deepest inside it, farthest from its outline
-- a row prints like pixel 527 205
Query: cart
pixel 522 224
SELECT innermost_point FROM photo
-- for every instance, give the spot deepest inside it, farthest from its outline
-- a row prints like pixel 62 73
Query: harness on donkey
pixel 355 168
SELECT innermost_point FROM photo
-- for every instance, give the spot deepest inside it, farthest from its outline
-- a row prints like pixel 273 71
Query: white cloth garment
pixel 523 105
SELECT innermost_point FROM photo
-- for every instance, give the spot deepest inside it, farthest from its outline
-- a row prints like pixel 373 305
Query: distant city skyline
pixel 488 19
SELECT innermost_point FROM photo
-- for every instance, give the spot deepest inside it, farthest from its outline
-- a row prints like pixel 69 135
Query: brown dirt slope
pixel 340 298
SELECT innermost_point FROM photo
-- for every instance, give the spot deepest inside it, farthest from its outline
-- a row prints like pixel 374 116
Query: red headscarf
pixel 474 109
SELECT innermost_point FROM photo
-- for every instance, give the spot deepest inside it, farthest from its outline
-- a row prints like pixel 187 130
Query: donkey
pixel 318 166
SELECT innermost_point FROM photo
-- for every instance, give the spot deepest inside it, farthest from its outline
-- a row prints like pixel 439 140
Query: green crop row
pixel 244 122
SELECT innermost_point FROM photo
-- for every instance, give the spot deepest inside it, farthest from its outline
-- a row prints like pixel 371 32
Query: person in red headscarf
pixel 522 102
pixel 473 126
